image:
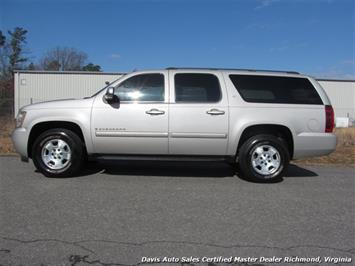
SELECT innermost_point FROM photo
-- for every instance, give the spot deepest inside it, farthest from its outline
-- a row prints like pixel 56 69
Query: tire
pixel 58 153
pixel 263 158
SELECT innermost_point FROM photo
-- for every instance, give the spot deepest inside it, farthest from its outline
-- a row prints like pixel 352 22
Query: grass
pixel 343 155
pixel 7 124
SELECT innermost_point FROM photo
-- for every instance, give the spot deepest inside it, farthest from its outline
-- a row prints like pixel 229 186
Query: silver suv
pixel 257 120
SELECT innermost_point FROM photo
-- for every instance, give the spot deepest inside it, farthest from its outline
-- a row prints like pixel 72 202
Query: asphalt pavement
pixel 131 213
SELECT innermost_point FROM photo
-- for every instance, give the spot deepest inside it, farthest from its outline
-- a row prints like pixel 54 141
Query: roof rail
pixel 234 69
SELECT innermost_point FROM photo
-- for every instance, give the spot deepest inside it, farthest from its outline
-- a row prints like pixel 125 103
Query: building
pixel 38 86
pixel 342 96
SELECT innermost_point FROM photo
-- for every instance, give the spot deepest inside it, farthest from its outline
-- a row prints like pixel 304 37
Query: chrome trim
pixel 155 111
pixel 215 111
pixel 131 134
pixel 199 135
pixel 144 102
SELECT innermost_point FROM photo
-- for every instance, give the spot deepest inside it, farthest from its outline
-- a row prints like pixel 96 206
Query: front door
pixel 198 113
pixel 138 124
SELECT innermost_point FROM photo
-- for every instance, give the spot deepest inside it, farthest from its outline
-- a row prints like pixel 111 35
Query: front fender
pixel 79 117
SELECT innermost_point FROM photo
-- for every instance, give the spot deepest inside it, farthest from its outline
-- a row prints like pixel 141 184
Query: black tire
pixel 72 166
pixel 248 151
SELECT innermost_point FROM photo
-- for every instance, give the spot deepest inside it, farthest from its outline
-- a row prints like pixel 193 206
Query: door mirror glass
pixel 110 96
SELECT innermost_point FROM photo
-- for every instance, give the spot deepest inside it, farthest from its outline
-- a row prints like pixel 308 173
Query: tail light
pixel 329 118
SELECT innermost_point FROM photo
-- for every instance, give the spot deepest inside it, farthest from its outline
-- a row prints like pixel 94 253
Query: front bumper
pixel 20 139
pixel 314 144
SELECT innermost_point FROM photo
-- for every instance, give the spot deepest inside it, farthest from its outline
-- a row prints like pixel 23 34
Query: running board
pixel 159 158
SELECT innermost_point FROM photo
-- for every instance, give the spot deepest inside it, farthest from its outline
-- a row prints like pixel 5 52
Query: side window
pixel 144 87
pixel 195 87
pixel 271 89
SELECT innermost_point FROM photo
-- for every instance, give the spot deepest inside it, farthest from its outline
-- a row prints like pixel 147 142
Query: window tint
pixel 145 87
pixel 197 88
pixel 269 89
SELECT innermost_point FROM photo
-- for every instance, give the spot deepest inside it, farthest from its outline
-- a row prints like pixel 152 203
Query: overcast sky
pixel 311 36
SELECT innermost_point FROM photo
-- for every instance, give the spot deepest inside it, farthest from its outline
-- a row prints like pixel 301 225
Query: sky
pixel 315 37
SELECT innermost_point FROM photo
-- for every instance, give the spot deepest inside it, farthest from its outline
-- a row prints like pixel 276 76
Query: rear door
pixel 198 113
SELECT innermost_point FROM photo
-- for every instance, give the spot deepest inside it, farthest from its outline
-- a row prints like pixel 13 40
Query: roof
pixel 235 69
pixel 336 80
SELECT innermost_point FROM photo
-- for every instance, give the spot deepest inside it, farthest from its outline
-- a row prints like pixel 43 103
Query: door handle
pixel 215 112
pixel 155 111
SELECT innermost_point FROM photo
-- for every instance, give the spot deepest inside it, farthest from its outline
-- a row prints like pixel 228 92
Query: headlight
pixel 20 118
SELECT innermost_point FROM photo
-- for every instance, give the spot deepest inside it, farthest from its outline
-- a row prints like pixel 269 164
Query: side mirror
pixel 110 96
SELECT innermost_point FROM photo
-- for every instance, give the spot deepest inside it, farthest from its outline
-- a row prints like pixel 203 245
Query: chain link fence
pixel 7 125
pixel 6 96
pixel 7 122
pixel 7 107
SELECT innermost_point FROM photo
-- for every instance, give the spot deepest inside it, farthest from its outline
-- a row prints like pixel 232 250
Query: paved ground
pixel 115 214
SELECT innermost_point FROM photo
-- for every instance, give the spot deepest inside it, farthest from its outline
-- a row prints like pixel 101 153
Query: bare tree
pixel 63 58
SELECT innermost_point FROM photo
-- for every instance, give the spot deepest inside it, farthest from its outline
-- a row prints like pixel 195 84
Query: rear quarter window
pixel 271 89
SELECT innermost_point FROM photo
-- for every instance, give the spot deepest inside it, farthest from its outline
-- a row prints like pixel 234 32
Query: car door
pixel 198 113
pixel 138 124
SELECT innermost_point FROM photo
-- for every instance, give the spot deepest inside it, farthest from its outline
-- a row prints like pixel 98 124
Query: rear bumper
pixel 314 144
pixel 20 139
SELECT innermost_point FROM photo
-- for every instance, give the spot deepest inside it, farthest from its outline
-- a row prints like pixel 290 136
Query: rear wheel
pixel 263 158
pixel 58 153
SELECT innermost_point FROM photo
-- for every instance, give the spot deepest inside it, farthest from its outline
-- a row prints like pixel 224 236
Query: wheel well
pixel 276 130
pixel 43 126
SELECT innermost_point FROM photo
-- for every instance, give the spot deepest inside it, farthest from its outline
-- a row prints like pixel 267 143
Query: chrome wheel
pixel 56 154
pixel 265 160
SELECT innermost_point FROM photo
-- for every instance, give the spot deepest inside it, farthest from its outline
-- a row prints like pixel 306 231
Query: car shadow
pixel 294 170
pixel 178 169
pixel 161 168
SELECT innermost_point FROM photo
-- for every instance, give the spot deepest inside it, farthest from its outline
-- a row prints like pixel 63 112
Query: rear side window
pixel 200 88
pixel 270 89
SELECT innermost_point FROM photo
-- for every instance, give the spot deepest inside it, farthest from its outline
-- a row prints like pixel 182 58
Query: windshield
pixel 106 86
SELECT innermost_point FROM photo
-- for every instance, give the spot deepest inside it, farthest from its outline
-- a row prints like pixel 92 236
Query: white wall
pixel 342 96
pixel 37 86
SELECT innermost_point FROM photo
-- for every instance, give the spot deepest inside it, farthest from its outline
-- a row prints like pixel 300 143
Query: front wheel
pixel 58 153
pixel 263 158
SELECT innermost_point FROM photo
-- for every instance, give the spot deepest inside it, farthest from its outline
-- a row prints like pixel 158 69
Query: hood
pixel 61 104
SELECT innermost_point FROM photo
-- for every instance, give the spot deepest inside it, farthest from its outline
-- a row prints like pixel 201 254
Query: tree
pixel 91 67
pixel 31 66
pixel 11 57
pixel 17 39
pixel 63 58
pixel 3 55
pixel 52 65
pixel 2 39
